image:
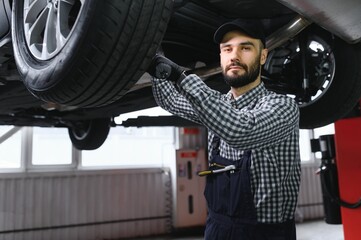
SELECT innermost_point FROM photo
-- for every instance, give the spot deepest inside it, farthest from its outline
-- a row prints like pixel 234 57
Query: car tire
pixel 343 93
pixel 334 86
pixel 106 48
pixel 89 134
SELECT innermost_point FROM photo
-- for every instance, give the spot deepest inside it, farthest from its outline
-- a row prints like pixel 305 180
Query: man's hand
pixel 163 68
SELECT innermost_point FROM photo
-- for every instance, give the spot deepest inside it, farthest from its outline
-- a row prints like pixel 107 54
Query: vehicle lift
pixel 340 173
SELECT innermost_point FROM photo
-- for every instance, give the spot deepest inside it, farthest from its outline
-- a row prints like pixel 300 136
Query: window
pixel 326 130
pixel 305 145
pixel 10 147
pixel 51 146
pixel 130 147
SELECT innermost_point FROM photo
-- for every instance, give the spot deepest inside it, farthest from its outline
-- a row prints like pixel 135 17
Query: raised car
pixel 80 63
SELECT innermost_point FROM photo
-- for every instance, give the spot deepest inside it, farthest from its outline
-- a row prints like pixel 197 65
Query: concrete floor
pixel 319 230
pixel 310 230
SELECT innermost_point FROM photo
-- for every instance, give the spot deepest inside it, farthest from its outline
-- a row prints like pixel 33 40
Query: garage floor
pixel 319 230
pixel 312 230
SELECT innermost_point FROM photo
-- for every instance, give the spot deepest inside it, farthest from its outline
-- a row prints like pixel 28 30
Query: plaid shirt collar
pixel 248 97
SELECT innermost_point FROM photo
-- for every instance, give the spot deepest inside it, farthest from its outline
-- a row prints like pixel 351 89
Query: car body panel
pixel 341 18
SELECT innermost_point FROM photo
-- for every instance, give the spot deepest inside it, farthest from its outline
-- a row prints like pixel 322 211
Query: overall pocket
pixel 241 198
pixel 217 192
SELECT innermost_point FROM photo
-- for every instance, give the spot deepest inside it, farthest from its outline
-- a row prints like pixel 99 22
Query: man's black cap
pixel 251 27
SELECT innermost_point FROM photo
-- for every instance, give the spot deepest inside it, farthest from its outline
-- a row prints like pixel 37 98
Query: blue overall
pixel 231 211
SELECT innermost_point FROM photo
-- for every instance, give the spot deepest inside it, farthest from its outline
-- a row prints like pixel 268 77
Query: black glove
pixel 163 68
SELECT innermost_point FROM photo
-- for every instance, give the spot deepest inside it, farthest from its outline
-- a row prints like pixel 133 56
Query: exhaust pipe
pixel 287 32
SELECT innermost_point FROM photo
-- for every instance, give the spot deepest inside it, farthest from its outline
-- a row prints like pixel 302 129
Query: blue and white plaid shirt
pixel 260 120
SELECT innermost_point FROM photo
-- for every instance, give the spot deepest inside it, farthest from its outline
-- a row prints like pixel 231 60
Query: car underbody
pixel 294 67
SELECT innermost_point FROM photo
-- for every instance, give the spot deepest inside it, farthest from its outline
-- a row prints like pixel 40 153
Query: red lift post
pixel 348 161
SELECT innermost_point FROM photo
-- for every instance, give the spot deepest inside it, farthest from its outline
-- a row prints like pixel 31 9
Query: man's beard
pixel 250 75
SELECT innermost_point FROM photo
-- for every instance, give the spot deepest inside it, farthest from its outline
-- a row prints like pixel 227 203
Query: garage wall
pixel 310 202
pixel 107 204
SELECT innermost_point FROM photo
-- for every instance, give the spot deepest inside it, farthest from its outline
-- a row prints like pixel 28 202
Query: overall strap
pixel 216 142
